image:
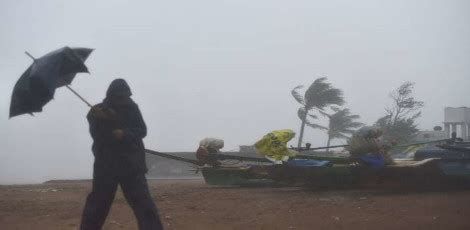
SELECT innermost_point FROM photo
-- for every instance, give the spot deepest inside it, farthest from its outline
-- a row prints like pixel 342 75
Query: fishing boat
pixel 445 164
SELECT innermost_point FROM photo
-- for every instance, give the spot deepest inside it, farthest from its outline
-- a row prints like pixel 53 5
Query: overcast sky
pixel 213 68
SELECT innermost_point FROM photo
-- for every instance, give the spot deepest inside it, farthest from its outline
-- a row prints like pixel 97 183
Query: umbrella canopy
pixel 36 87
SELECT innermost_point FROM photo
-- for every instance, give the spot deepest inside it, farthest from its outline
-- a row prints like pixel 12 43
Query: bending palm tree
pixel 301 113
pixel 319 95
pixel 341 123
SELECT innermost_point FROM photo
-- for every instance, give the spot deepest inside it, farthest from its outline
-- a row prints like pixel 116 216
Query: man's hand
pixel 97 112
pixel 118 134
pixel 102 113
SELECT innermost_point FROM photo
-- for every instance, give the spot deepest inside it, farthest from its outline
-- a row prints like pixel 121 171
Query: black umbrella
pixel 36 87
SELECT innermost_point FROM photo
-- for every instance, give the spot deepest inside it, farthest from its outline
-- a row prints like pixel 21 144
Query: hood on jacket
pixel 118 94
pixel 118 88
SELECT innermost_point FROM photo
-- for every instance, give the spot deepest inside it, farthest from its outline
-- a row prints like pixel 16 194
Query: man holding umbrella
pixel 117 129
pixel 116 126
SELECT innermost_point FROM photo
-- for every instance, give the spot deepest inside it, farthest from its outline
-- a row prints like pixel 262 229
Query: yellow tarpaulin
pixel 274 144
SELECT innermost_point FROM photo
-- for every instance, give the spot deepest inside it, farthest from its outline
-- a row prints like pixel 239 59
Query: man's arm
pixel 137 128
pixel 96 119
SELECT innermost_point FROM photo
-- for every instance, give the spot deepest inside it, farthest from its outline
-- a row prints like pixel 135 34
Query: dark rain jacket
pixel 126 156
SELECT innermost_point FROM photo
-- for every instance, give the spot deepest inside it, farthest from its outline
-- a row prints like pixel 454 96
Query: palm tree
pixel 319 95
pixel 341 123
pixel 301 113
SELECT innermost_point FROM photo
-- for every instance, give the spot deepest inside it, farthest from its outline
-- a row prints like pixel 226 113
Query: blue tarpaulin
pixel 376 161
pixel 308 163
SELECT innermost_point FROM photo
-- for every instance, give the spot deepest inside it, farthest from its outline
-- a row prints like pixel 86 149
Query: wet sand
pixel 191 204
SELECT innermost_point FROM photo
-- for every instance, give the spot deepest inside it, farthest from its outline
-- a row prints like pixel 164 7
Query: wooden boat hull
pixel 425 173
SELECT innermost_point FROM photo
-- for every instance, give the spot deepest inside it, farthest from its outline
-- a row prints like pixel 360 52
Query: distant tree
pixel 341 124
pixel 399 122
pixel 402 131
pixel 319 95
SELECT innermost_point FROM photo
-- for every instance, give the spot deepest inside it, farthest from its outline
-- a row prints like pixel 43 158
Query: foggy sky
pixel 223 69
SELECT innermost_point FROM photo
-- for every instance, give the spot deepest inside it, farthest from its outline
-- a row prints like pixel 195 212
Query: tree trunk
pixel 328 144
pixel 302 127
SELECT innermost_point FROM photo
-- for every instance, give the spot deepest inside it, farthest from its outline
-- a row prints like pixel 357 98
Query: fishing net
pixel 213 145
pixel 206 147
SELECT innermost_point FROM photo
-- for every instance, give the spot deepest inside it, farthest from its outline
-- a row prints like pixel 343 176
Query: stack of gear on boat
pixel 366 147
pixel 208 146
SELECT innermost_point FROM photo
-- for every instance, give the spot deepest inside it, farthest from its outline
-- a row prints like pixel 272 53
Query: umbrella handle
pixel 78 95
pixel 31 56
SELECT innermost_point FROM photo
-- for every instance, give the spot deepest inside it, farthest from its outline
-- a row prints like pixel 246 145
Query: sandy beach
pixel 191 204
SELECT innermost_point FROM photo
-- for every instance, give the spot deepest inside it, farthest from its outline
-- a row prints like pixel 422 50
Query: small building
pixel 457 119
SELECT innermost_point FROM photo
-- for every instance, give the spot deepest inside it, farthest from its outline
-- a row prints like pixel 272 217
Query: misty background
pixel 223 68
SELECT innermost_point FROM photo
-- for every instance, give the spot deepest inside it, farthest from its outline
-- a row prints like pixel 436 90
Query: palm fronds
pixel 297 95
pixel 341 123
pixel 321 94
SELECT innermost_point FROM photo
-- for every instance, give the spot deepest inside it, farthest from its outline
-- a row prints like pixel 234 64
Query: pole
pixel 78 95
pixel 318 148
pixel 173 157
pixel 393 146
pixel 421 143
